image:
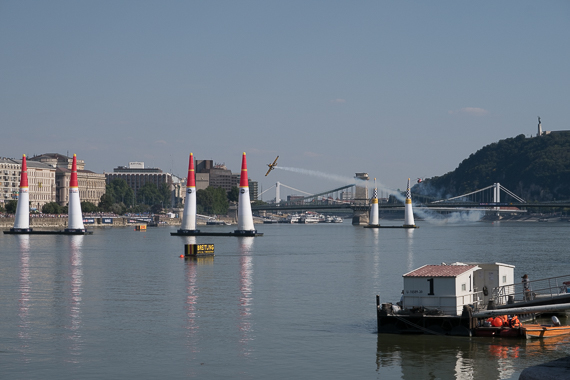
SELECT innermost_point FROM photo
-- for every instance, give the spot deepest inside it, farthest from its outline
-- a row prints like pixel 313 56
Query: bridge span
pixel 487 199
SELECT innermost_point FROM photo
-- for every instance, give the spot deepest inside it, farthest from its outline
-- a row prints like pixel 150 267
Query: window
pixel 463 287
pixel 504 279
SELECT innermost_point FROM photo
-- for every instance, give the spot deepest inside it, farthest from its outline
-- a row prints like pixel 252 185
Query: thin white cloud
pixel 475 111
pixel 162 142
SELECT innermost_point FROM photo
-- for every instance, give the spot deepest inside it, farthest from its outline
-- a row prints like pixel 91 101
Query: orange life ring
pixel 497 322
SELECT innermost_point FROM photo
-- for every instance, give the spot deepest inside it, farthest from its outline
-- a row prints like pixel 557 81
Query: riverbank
pixel 88 221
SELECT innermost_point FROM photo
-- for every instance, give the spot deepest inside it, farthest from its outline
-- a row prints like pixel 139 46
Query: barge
pixel 461 299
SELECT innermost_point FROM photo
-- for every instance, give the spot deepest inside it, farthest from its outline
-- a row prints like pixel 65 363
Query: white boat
pixel 333 219
pixel 309 218
pixel 217 222
pixel 292 218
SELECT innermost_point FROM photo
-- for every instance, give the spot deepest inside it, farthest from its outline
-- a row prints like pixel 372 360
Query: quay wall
pixel 61 222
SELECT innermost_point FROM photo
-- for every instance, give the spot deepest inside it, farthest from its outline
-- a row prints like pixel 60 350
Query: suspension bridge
pixel 493 198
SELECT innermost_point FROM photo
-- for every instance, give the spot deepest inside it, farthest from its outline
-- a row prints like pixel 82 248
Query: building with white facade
pixel 41 182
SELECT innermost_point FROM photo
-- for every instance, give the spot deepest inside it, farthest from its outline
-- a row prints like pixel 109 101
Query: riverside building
pixel 92 185
pixel 137 175
pixel 41 182
pixel 218 175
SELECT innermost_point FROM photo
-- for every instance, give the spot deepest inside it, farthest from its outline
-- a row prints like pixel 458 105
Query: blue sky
pixel 397 89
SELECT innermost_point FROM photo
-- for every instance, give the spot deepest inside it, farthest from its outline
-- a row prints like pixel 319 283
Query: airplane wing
pixel 270 169
pixel 275 162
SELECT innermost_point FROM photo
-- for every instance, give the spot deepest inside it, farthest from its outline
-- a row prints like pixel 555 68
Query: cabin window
pixel 463 287
pixel 504 279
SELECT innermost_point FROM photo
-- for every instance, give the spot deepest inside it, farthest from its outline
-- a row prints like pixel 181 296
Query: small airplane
pixel 271 166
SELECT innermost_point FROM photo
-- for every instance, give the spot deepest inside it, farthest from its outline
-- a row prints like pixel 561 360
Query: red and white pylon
pixel 189 214
pixel 22 220
pixel 245 216
pixel 74 214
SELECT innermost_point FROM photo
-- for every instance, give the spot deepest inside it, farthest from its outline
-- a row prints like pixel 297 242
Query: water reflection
pixel 192 325
pixel 75 296
pixel 444 357
pixel 422 357
pixel 376 258
pixel 189 239
pixel 410 250
pixel 246 289
pixel 24 289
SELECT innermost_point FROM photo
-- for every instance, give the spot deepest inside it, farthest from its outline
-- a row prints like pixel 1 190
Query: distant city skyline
pixel 395 89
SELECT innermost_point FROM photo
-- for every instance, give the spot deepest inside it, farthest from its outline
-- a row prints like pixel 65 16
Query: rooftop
pixel 440 271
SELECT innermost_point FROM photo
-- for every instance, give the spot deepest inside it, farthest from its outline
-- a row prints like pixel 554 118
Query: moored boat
pixel 544 331
pixel 217 222
pixel 464 299
pixel 309 218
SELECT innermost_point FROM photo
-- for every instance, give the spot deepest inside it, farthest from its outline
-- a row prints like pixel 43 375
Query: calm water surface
pixel 298 302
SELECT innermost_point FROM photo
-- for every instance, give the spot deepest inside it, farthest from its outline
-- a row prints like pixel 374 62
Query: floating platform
pixel 198 250
pixel 379 226
pixel 432 302
pixel 13 231
pixel 420 322
pixel 237 233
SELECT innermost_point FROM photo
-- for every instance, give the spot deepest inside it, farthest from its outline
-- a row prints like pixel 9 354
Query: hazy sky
pixel 397 89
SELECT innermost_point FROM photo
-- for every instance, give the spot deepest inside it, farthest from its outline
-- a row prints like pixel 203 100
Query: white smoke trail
pixel 426 214
pixel 314 173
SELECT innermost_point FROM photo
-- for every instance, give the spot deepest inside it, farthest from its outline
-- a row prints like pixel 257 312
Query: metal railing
pixel 543 288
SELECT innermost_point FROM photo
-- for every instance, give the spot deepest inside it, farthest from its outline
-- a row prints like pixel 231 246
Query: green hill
pixel 536 169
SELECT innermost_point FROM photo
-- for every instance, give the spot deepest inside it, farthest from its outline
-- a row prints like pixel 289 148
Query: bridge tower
pixel 497 193
pixel 497 196
pixel 361 208
pixel 277 192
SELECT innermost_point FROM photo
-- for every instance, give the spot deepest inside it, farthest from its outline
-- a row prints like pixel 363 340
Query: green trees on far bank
pixel 54 208
pixel 212 201
pixel 536 169
pixel 11 206
pixel 151 195
pixel 118 191
pixel 120 198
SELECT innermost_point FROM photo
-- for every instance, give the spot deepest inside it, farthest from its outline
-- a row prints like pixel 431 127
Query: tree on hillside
pixel 536 169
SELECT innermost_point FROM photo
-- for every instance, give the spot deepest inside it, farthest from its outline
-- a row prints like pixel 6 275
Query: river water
pixel 298 302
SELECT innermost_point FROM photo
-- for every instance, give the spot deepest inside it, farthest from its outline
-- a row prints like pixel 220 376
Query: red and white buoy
pixel 373 220
pixel 22 220
pixel 408 212
pixel 245 217
pixel 75 217
pixel 189 215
